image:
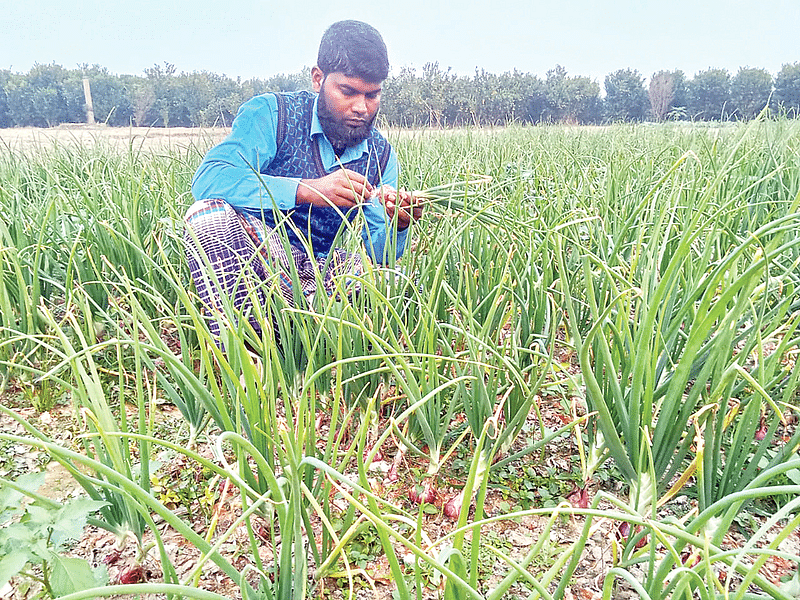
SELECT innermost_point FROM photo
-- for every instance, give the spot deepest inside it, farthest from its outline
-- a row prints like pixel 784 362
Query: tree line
pixel 50 95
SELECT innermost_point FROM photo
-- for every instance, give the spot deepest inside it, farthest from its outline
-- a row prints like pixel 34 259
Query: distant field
pixel 140 138
pixel 159 138
pixel 146 138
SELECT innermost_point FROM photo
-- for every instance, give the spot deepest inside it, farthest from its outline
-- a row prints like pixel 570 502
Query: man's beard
pixel 339 133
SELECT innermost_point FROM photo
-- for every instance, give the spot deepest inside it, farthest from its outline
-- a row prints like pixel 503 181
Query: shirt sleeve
pixel 231 170
pixel 378 230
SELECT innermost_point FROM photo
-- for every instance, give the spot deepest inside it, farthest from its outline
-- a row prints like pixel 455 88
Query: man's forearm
pixel 242 188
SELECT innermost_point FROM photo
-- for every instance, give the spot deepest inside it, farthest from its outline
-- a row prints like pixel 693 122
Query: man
pixel 309 163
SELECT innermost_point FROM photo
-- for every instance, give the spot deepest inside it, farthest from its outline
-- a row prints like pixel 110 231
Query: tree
pixel 667 94
pixel 29 106
pixel 680 101
pixel 142 98
pixel 5 114
pixel 73 96
pixel 536 100
pixel 626 98
pixel 400 99
pixel 200 97
pixel 433 92
pixel 230 95
pixel 292 82
pixel 710 94
pixel 37 99
pixel 166 107
pixel 462 101
pixel 522 88
pixel 787 89
pixel 571 99
pixel 211 99
pixel 111 96
pixel 750 92
pixel 499 99
pixel 662 94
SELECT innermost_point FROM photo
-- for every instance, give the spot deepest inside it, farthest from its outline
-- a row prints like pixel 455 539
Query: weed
pixel 529 485
pixel 34 535
pixel 42 395
pixel 187 485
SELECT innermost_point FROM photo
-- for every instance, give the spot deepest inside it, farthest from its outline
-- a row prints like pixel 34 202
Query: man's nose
pixel 360 105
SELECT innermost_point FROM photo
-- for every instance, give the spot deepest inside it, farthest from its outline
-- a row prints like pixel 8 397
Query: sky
pixel 260 38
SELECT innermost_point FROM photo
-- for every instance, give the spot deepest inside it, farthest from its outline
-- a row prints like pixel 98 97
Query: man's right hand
pixel 343 188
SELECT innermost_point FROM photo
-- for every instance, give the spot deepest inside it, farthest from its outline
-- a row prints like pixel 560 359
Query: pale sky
pixel 259 38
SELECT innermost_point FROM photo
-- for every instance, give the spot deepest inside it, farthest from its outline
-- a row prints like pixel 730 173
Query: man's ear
pixel 317 76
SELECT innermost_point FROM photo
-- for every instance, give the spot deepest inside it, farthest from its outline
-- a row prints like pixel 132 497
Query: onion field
pixel 580 381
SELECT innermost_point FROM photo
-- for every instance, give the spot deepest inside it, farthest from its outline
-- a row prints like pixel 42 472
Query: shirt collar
pixel 328 156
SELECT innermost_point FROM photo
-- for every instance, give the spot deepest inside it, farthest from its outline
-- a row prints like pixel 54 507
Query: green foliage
pixel 787 89
pixel 435 97
pixel 709 94
pixel 528 486
pixel 626 98
pixel 189 486
pixel 42 395
pixel 363 543
pixel 111 96
pixel 750 92
pixel 5 114
pixel 36 533
pixel 571 99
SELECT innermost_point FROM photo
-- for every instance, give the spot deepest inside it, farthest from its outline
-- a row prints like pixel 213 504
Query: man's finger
pixel 354 183
pixel 387 194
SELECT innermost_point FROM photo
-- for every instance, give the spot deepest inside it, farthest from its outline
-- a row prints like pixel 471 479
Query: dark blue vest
pixel 298 156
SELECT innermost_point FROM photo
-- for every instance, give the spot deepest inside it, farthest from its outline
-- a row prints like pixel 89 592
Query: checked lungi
pixel 233 254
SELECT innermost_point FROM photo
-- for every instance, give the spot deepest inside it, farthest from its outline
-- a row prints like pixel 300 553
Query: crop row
pixel 664 261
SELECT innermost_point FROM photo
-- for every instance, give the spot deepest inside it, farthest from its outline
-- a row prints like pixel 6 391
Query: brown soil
pixel 514 536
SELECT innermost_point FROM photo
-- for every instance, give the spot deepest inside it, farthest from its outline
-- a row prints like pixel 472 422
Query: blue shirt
pixel 230 171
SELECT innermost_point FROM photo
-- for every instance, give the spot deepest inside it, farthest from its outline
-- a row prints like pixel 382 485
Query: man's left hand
pixel 407 205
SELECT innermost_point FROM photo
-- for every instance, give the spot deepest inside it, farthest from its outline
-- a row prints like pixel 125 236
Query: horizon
pixel 417 71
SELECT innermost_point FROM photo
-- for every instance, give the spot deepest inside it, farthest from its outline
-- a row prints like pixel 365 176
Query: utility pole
pixel 87 94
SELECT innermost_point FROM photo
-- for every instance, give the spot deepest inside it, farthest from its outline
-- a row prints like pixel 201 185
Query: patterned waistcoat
pixel 298 156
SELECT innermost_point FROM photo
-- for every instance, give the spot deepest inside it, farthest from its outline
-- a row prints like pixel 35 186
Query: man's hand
pixel 407 205
pixel 343 188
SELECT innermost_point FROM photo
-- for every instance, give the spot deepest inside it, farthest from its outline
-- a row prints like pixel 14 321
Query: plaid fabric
pixel 233 254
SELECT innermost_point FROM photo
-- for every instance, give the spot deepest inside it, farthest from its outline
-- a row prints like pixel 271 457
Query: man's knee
pixel 203 213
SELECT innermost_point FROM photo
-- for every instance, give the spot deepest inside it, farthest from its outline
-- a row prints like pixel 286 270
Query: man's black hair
pixel 354 49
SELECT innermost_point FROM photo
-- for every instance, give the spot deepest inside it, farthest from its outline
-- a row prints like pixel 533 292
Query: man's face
pixel 347 106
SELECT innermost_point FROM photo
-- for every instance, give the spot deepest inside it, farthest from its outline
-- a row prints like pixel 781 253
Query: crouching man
pixel 311 161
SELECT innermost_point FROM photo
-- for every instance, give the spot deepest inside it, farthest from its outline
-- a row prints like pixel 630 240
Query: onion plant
pixel 669 262
pixel 676 314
